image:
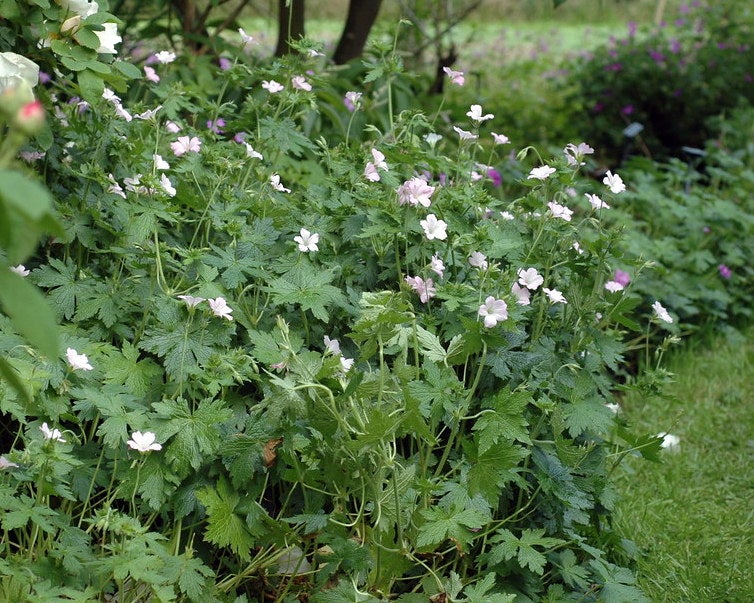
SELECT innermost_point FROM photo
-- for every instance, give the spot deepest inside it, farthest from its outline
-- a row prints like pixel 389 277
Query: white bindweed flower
pixel 541 173
pixel 614 182
pixel 434 228
pixel 77 361
pixel 530 278
pixel 108 38
pixel 190 300
pixel 51 434
pixel 307 241
pixel 662 313
pixel 475 113
pixel 220 308
pixel 555 296
pixel 143 442
pixel 493 311
pixel 20 270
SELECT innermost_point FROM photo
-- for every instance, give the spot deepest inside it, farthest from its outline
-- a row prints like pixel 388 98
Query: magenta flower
pixel 424 288
pixel 495 176
pixel 725 272
pixel 622 277
pixel 225 63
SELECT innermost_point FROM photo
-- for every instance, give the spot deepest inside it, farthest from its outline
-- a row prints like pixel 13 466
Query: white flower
pixel 475 113
pixel 577 246
pixel 82 8
pixel 77 361
pixel 246 39
pixel 575 153
pixel 110 96
pixel 250 152
pixel 143 442
pixel 661 312
pixel 190 300
pixel 530 278
pixel 167 185
pixel 500 138
pixel 437 266
pixel 432 139
pixel 371 173
pixel 560 211
pixel 613 286
pixel 596 202
pixel 121 111
pixel 493 311
pixel 299 83
pixel 150 74
pixel 275 183
pixel 165 57
pixel 541 172
pixel 272 86
pixel 415 192
pixel 108 38
pixel 614 182
pixel 20 270
pixel 115 188
pixel 307 241
pixel 172 127
pixel 465 135
pixel 332 346
pixel 523 295
pixel 17 71
pixel 148 114
pixel 220 308
pixel 556 297
pixel 670 442
pixel 434 228
pixel 6 464
pixel 455 76
pixel 613 407
pixel 160 163
pixel 51 434
pixel 379 160
pixel 478 260
pixel 506 215
pixel 346 364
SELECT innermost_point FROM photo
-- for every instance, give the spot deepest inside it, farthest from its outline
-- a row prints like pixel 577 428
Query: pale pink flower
pixel 575 153
pixel 541 173
pixel 272 86
pixel 6 464
pixel 190 300
pixel 613 286
pixel 500 138
pixel 522 294
pixel 555 296
pixel 143 442
pixel 299 83
pixel 434 228
pixel 220 308
pixel 275 183
pixel 77 361
pixel 493 311
pixel 51 434
pixel 307 241
pixel 464 134
pixel 436 265
pixel 425 289
pixel 478 260
pixel 20 270
pixel 164 57
pixel 475 113
pixel 351 100
pixel 455 76
pixel 246 39
pixel 120 111
pixel 415 192
pixel 184 145
pixel 560 211
pixel 115 188
pixel 614 182
pixel 172 127
pixel 346 364
pixel 661 312
pixel 150 74
pixel 622 277
pixel 371 169
pixel 530 278
pixel 596 202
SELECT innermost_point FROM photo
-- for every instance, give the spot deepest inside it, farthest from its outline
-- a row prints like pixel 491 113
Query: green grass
pixel 693 514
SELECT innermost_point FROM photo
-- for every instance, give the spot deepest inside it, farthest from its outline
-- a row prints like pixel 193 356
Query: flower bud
pixel 71 24
pixel 30 118
pixel 14 97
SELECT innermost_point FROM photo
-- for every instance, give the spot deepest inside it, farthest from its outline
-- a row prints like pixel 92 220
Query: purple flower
pixel 622 277
pixel 495 176
pixel 216 125
pixel 627 110
pixel 44 78
pixel 675 46
pixel 657 57
pixel 725 272
pixel 225 63
pixel 632 26
pixel 239 137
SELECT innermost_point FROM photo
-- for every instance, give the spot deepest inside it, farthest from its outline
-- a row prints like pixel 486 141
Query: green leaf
pixel 507 546
pixel 505 419
pixel 344 592
pixel 479 592
pixel 24 195
pixel 127 69
pixel 8 372
pixel 453 523
pixel 87 38
pixel 224 526
pixel 90 84
pixel 308 287
pixel 29 312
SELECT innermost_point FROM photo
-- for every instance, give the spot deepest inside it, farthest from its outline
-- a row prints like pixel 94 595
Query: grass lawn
pixel 693 515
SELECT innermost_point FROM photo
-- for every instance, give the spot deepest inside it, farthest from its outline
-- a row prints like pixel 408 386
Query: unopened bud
pixel 71 24
pixel 14 97
pixel 30 118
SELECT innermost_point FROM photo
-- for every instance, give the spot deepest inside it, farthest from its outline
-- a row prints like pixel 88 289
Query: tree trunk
pixel 361 17
pixel 193 26
pixel 290 25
